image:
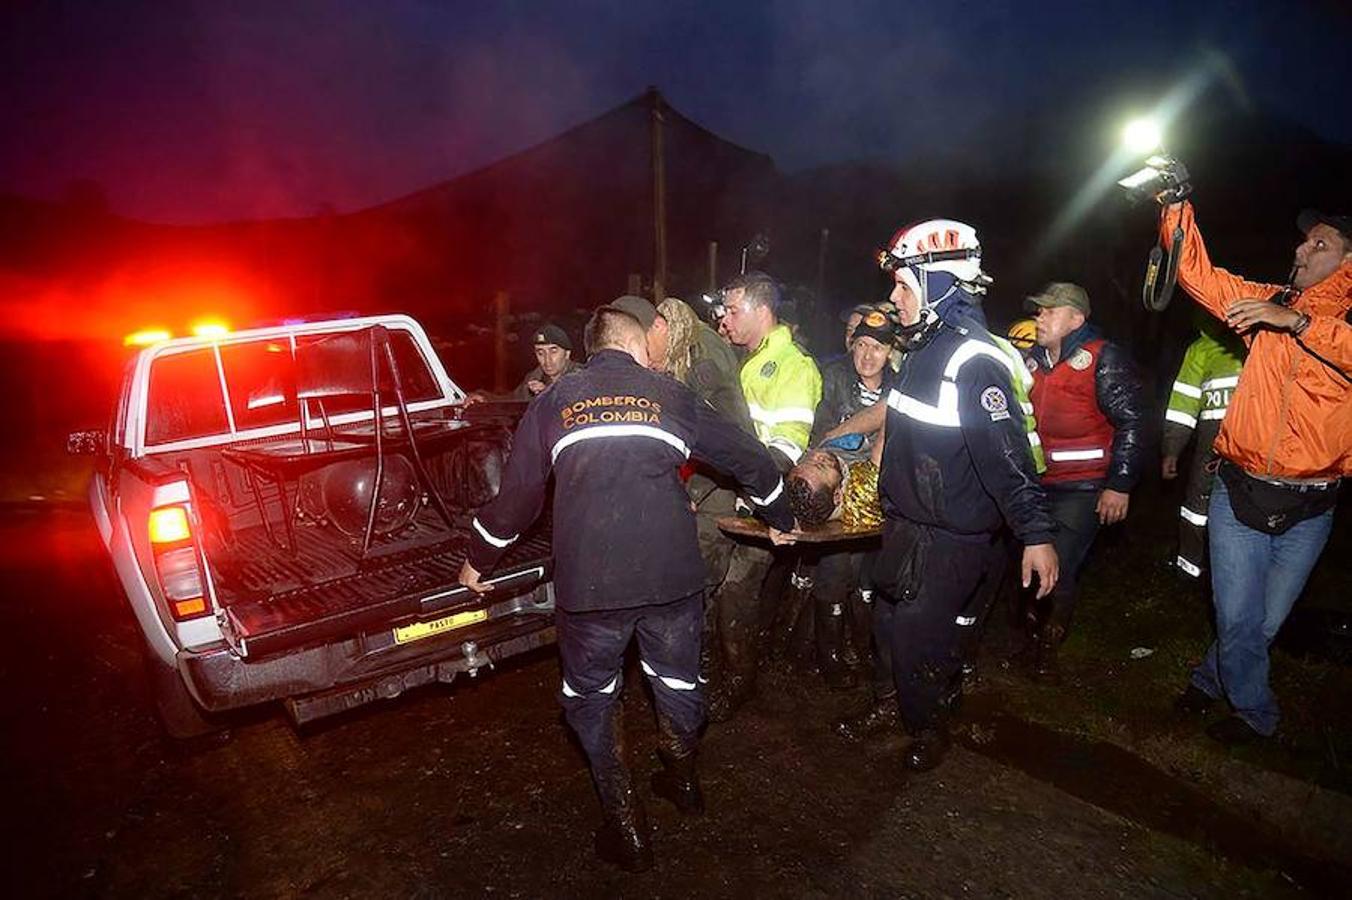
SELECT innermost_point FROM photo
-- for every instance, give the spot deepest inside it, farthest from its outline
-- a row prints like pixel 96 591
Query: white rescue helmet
pixel 931 247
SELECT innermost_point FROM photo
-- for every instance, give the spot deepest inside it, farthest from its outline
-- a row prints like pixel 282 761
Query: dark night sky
pixel 201 111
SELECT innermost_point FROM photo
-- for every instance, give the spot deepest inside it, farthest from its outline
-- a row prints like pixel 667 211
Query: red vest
pixel 1076 437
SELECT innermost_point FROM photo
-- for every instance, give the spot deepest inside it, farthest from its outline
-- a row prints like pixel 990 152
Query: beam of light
pixel 145 337
pixel 1124 159
pixel 1142 135
pixel 210 328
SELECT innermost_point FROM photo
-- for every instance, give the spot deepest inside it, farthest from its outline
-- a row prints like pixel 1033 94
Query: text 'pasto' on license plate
pixel 419 630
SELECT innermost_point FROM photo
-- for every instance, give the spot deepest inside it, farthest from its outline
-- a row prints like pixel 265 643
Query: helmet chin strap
pixel 915 336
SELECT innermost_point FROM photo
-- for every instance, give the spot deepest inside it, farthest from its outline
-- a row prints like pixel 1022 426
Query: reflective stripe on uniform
pixel 781 415
pixel 676 684
pixel 1188 567
pixel 1188 390
pixel 945 412
pixel 490 537
pixel 944 415
pixel 1075 455
pixel 570 691
pixel 771 497
pixel 1189 516
pixel 1181 418
pixel 1214 413
pixel 1225 381
pixel 619 431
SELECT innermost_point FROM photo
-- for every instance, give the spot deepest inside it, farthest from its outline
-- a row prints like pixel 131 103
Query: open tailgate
pixel 400 589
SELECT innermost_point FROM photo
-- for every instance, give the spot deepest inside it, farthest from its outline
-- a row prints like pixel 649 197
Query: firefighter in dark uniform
pixel 626 558
pixel 956 464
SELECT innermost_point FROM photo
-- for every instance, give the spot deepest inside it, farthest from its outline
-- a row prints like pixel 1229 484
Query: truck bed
pixel 278 600
pixel 282 589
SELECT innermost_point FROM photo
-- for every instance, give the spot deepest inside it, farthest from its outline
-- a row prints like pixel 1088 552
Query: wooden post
pixel 500 304
pixel 713 266
pixel 659 197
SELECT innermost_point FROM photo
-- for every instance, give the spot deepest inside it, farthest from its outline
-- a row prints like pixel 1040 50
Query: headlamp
pixel 890 262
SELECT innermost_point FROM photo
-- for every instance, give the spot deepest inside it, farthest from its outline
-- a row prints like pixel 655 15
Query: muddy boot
pixel 928 749
pixel 830 627
pixel 1046 666
pixel 678 782
pixel 880 718
pixel 622 839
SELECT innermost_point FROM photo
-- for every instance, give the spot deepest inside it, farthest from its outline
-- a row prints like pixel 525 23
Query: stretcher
pixel 827 533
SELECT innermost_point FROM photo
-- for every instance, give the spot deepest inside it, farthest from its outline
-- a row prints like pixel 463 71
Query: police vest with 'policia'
pixel 606 410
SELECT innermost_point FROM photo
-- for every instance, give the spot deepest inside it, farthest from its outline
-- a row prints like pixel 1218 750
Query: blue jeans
pixel 1255 580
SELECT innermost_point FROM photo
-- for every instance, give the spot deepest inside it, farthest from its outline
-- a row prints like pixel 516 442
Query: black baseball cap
pixel 549 333
pixel 876 325
pixel 1309 218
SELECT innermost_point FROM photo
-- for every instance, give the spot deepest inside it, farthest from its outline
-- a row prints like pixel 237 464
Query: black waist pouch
pixel 899 563
pixel 1274 508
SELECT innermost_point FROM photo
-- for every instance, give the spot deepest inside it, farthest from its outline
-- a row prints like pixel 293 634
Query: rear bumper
pixel 324 679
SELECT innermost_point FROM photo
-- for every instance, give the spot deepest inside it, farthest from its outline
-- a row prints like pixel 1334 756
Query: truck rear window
pixel 261 380
pixel 186 400
pixel 414 377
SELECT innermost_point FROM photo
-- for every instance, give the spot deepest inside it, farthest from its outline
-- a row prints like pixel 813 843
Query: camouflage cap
pixel 1061 293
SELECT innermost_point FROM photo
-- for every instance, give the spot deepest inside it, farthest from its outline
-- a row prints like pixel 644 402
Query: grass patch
pixel 1129 598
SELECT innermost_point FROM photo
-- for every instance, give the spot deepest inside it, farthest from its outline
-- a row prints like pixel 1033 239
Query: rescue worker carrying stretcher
pixel 840 613
pixel 956 464
pixel 782 387
pixel 627 561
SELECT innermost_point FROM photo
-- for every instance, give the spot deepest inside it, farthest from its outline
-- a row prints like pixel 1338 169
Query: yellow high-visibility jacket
pixel 782 388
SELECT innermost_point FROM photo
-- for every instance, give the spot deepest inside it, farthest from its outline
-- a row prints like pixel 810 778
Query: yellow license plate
pixel 419 630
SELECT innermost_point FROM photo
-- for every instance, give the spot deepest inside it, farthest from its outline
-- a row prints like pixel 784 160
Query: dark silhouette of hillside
pixel 558 226
pixel 561 225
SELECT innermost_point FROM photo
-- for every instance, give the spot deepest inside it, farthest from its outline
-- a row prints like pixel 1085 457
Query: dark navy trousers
pixel 927 636
pixel 592 646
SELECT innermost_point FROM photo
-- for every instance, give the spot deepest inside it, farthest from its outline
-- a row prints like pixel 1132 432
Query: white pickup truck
pixel 279 541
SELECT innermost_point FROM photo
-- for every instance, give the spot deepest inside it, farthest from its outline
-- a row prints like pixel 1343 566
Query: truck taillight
pixel 176 562
pixel 169 525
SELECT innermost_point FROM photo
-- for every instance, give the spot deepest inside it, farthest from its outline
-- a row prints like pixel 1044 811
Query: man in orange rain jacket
pixel 1285 443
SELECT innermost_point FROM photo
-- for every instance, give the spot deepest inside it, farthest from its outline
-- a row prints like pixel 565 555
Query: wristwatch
pixel 1302 326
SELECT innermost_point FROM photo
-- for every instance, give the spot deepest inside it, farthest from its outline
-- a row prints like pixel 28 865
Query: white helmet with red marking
pixel 936 247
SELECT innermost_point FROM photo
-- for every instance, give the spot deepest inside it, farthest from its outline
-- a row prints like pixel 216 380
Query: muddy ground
pixel 1082 790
